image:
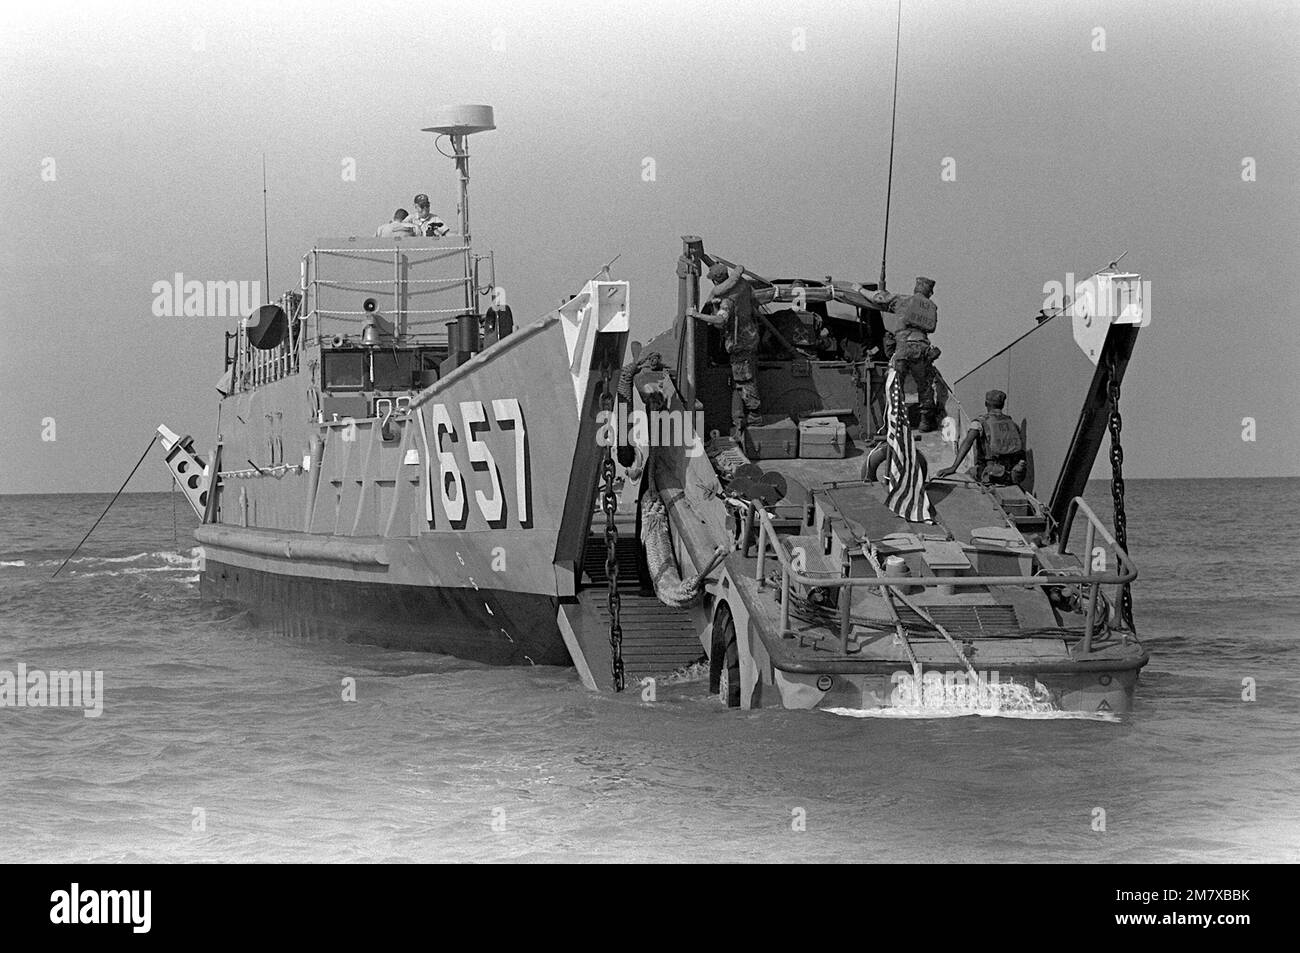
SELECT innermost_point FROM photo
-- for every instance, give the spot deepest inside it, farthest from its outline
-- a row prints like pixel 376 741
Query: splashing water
pixel 955 694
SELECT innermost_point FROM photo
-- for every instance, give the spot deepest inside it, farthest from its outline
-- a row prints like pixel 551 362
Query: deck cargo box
pixel 822 438
pixel 778 440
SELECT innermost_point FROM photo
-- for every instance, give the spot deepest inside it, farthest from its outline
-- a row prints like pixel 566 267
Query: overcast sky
pixel 131 138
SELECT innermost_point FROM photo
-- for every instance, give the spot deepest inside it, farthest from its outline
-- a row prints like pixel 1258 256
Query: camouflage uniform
pixel 742 347
pixel 913 354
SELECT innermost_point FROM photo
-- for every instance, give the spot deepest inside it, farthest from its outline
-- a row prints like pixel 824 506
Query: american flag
pixel 905 486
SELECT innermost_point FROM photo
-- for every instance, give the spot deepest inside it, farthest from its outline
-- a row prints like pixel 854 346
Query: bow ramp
pixel 656 639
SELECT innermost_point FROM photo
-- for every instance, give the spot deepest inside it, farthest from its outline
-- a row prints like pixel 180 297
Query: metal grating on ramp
pixel 627 555
pixel 657 639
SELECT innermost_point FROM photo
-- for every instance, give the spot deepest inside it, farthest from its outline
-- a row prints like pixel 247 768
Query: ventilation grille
pixel 965 621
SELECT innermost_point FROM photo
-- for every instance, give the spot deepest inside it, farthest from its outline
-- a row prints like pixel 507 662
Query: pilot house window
pixel 380 369
pixel 344 370
pixel 396 370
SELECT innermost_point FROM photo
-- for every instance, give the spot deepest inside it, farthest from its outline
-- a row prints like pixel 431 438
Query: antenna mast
pixel 457 123
pixel 889 187
pixel 266 235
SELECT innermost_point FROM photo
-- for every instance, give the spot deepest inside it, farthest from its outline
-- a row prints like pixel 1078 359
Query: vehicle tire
pixel 727 655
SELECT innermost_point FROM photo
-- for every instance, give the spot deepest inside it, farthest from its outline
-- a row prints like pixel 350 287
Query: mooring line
pixel 147 448
pixel 942 631
pixel 899 628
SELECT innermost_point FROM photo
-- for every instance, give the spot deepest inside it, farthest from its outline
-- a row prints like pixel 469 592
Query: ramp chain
pixel 609 503
pixel 1117 484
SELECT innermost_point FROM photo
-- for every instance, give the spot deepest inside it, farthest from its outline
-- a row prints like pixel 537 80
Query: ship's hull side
pixel 455 525
pixel 495 626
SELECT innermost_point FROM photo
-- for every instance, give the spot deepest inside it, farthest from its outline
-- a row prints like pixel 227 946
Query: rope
pixel 320 313
pixel 275 471
pixel 389 250
pixel 900 630
pixel 147 448
pixel 938 628
pixel 341 284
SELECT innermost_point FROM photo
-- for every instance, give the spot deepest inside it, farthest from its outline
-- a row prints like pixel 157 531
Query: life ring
pixel 879 454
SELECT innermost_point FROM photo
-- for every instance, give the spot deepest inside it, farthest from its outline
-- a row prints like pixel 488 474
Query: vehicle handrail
pixel 767 533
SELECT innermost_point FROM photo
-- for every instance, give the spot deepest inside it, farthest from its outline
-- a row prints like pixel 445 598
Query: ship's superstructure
pixel 397 465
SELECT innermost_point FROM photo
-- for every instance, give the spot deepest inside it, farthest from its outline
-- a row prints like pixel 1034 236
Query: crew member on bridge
pixel 735 312
pixel 427 225
pixel 399 227
pixel 999 446
pixel 914 355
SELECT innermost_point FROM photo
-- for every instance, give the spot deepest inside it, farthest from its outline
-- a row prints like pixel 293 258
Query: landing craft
pixel 396 465
pixel 826 594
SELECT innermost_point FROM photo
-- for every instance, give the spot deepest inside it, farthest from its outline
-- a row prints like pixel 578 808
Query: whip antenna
pixel 265 229
pixel 889 187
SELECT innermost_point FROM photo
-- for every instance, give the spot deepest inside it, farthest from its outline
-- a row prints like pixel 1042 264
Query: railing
pixel 398 285
pixel 767 534
pixel 254 366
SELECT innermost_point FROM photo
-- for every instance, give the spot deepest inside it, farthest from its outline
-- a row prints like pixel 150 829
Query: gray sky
pixel 769 142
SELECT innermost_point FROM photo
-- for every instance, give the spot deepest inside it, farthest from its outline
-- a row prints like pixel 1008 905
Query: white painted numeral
pixel 454 508
pixel 451 481
pixel 509 409
pixel 472 412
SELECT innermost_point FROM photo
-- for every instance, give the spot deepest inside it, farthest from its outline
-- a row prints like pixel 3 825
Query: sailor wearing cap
pixel 999 446
pixel 426 223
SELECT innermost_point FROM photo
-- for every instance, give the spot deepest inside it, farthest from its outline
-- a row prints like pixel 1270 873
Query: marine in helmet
pixel 999 445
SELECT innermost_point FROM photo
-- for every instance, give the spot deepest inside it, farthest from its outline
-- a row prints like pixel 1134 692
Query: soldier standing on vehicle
pixel 735 312
pixel 914 355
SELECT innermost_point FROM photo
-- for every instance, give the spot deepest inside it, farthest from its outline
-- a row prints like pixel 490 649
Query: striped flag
pixel 905 486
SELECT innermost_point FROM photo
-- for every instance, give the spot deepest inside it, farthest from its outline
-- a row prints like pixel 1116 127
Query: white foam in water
pixel 694 672
pixel 175 562
pixel 188 560
pixel 956 694
pixel 135 571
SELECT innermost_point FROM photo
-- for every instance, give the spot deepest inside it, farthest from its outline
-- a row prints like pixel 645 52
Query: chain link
pixel 1117 485
pixel 609 503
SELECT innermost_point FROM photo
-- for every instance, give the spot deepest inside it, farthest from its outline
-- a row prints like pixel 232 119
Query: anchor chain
pixel 609 503
pixel 1116 424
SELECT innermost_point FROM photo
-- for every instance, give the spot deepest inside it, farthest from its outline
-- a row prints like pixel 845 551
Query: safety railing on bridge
pixel 408 322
